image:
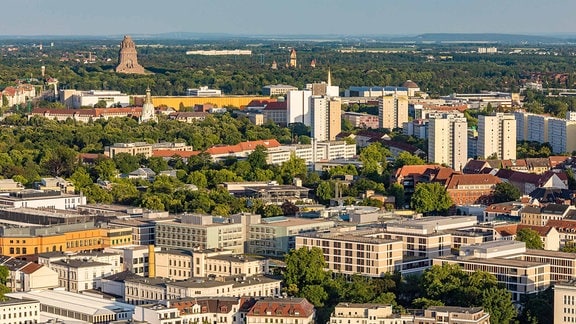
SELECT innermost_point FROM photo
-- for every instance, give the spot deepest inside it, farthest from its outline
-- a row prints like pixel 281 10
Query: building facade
pixel 497 136
pixel 392 111
pixel 448 140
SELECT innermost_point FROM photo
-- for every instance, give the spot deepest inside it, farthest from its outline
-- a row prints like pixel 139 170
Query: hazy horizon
pixel 297 17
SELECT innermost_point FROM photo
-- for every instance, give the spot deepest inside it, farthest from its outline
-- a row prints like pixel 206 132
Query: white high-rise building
pixel 497 136
pixel 562 135
pixel 298 103
pixel 448 140
pixel 392 111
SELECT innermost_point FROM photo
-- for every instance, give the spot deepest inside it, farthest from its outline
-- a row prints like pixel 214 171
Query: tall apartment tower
pixel 392 111
pixel 298 103
pixel 497 136
pixel 448 140
pixel 326 117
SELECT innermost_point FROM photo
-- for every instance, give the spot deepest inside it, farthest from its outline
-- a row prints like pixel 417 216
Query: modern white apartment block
pixel 328 150
pixel 448 140
pixel 42 199
pixel 392 111
pixel 354 252
pixel 562 135
pixel 497 136
pixel 202 232
pixel 299 107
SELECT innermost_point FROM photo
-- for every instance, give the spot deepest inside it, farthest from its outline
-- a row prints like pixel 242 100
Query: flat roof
pixel 494 261
pixel 77 302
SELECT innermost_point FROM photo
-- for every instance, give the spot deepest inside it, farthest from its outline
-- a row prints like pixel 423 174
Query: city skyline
pixel 299 17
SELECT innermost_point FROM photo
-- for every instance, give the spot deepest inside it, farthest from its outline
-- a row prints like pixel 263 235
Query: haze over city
pixel 259 17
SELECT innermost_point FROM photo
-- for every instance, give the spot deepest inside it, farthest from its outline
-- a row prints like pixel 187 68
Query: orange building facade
pixel 51 239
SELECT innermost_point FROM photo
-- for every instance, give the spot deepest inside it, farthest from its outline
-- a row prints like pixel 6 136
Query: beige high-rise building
pixel 392 111
pixel 497 136
pixel 448 140
pixel 326 117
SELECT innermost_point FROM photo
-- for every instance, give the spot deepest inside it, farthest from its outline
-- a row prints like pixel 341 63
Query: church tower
pixel 148 108
pixel 293 58
pixel 128 60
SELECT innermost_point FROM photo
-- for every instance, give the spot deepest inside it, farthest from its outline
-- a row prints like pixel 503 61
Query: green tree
pixel 292 168
pixel 504 191
pixel 531 238
pixel 125 192
pixel 153 202
pixel 498 303
pixel 538 308
pixel 4 274
pixel 405 158
pixel 373 158
pixel 397 191
pixel 105 168
pixel 325 191
pixel 304 267
pixel 101 104
pixel 257 158
pixel 95 194
pixel 271 211
pixel 81 178
pixel 127 163
pixel 59 161
pixel 430 198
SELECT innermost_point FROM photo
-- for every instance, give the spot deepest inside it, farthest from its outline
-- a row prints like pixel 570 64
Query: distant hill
pixel 482 38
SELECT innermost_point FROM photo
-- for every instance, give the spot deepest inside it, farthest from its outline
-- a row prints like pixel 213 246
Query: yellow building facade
pixel 177 101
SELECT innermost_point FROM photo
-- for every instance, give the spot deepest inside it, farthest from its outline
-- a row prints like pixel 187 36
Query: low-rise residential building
pixel 361 120
pixel 540 216
pixel 465 189
pixel 548 234
pixel 57 184
pixel 157 314
pixel 287 311
pixel 140 291
pixel 42 199
pixel 79 275
pixel 222 310
pixel 174 264
pixel 19 310
pixel 353 313
pixel 277 89
pixel 455 315
pixel 276 112
pixel 26 276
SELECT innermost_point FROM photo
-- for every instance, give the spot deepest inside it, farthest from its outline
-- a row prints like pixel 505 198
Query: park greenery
pixel 449 285
pixel 531 238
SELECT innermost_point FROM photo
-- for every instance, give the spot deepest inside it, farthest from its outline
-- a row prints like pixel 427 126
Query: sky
pixel 293 17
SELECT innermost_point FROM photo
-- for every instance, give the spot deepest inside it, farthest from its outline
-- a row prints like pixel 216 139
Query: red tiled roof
pixel 562 225
pixel 31 268
pixel 170 153
pixel 555 160
pixel 512 229
pixel 414 169
pixel 471 179
pixel 244 146
pixel 294 307
pixel 277 105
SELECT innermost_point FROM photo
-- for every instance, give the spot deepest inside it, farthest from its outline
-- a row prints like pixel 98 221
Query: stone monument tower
pixel 148 108
pixel 293 58
pixel 128 60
